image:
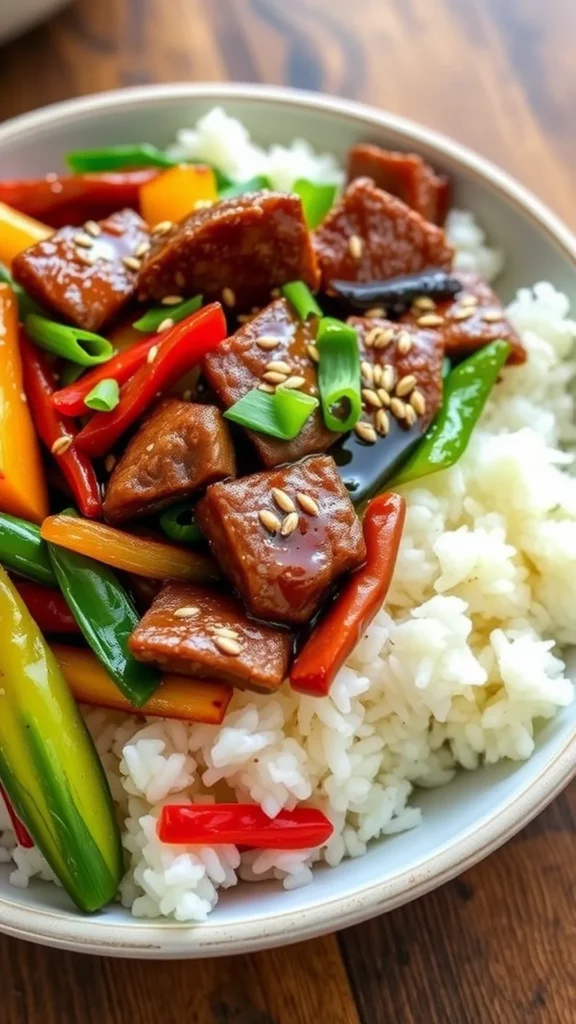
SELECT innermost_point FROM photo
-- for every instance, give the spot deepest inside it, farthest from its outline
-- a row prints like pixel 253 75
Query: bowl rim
pixel 155 940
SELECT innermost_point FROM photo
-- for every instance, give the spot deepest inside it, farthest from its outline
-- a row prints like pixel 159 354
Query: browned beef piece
pixel 203 633
pixel 472 319
pixel 240 363
pixel 180 448
pixel 85 284
pixel 283 537
pixel 236 251
pixel 371 236
pixel 405 175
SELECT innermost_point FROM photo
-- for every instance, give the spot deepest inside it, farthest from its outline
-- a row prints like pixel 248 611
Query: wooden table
pixel 498 945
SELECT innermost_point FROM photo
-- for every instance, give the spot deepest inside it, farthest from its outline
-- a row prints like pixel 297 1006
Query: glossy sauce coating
pixel 405 175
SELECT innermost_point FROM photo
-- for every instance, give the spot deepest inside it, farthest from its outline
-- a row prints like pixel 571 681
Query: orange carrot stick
pixel 18 232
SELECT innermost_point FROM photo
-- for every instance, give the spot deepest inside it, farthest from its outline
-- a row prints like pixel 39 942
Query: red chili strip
pixel 58 200
pixel 181 348
pixel 245 825
pixel 47 607
pixel 58 432
pixel 338 632
pixel 70 400
pixel 20 831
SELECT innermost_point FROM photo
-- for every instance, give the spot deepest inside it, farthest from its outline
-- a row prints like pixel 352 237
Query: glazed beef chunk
pixel 284 536
pixel 472 319
pixel 179 449
pixel 235 251
pixel 83 278
pixel 371 236
pixel 274 346
pixel 406 176
pixel 202 633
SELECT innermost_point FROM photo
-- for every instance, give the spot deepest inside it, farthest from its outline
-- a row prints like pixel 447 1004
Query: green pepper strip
pixel 316 200
pixel 114 158
pixel 26 305
pixel 106 616
pixel 238 188
pixel 64 340
pixel 151 320
pixel 22 550
pixel 179 524
pixel 338 374
pixel 466 390
pixel 48 765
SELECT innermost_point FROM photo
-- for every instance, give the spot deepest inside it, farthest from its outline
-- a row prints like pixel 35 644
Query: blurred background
pixel 496 74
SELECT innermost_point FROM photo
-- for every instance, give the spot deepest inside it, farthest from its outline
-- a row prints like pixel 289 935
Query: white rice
pixel 456 671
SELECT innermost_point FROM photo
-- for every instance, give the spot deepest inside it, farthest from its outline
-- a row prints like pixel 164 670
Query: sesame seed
pixel 243 318
pixel 152 353
pixel 279 365
pixel 418 402
pixel 491 316
pixel 371 398
pixel 268 389
pixel 293 383
pixel 468 300
pixel 307 503
pixel 388 377
pixel 228 297
pixel 180 279
pixel 313 353
pixel 382 421
pixel 269 520
pixel 162 227
pixel 171 300
pixel 150 447
pixel 92 228
pixel 109 463
pixel 275 293
pixel 165 325
pixel 423 302
pixel 187 395
pixel 378 337
pixel 86 257
pixel 267 344
pixel 410 416
pixel 355 246
pixel 463 313
pixel 131 263
pixel 289 524
pixel 61 445
pixel 227 646
pixel 188 611
pixel 430 320
pixel 368 371
pixel 366 432
pixel 398 408
pixel 274 377
pixel 225 631
pixel 83 240
pixel 376 311
pixel 405 385
pixel 203 204
pixel 384 396
pixel 283 500
pixel 404 343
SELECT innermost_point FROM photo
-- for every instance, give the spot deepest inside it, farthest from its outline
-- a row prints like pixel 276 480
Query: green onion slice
pixel 154 317
pixel 69 342
pixel 316 200
pixel 446 367
pixel 179 524
pixel 114 158
pixel 68 373
pixel 238 188
pixel 281 415
pixel 104 396
pixel 26 305
pixel 338 374
pixel 300 296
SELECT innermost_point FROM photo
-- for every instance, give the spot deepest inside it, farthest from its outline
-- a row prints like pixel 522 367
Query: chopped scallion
pixel 154 317
pixel 68 341
pixel 26 305
pixel 104 396
pixel 338 374
pixel 281 415
pixel 179 524
pixel 316 200
pixel 300 296
pixel 238 188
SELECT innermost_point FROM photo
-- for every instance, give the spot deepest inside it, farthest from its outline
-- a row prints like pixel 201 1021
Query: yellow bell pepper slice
pixel 177 192
pixel 18 231
pixel 22 484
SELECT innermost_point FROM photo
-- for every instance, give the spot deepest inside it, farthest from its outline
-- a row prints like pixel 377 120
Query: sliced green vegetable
pixel 179 524
pixel 68 373
pixel 446 366
pixel 280 415
pixel 22 550
pixel 114 158
pixel 339 374
pixel 69 342
pixel 154 317
pixel 48 764
pixel 104 396
pixel 316 200
pixel 238 188
pixel 300 296
pixel 466 390
pixel 26 305
pixel 106 616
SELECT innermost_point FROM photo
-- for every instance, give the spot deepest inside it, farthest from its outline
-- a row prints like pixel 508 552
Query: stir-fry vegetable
pixel 58 433
pixel 72 199
pixel 179 524
pixel 26 305
pixel 106 616
pixel 114 158
pixel 396 295
pixel 179 349
pixel 176 193
pixel 280 415
pixel 155 318
pixel 47 607
pixel 348 617
pixel 194 700
pixel 104 396
pixel 338 374
pixel 23 837
pixel 71 400
pixel 239 188
pixel 22 484
pixel 300 296
pixel 22 550
pixel 18 232
pixel 316 200
pixel 126 551
pixel 68 342
pixel 466 391
pixel 244 825
pixel 48 764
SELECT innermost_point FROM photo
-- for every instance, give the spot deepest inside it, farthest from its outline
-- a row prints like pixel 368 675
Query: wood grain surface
pixel 497 945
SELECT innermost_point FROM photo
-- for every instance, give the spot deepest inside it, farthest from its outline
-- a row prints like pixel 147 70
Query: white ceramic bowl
pixel 478 811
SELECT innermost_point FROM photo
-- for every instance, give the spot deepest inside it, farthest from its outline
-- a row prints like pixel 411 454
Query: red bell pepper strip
pixel 56 431
pixel 179 349
pixel 338 632
pixel 47 607
pixel 70 400
pixel 20 831
pixel 244 825
pixel 74 198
